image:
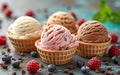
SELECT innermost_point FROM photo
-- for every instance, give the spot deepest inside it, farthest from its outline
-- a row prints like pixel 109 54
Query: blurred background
pixel 41 9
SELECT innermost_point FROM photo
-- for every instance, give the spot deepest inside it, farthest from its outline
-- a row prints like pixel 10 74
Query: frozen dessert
pixel 64 19
pixel 57 45
pixel 56 37
pixel 23 33
pixel 25 27
pixel 92 31
pixel 93 39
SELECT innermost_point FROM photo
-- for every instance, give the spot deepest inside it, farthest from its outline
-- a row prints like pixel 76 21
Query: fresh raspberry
pixel 72 13
pixel 33 66
pixel 80 22
pixel 8 13
pixel 114 37
pixel 114 51
pixel 94 63
pixel 4 6
pixel 29 13
pixel 2 40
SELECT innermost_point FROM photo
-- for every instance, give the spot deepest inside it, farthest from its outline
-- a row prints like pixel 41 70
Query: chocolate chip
pixel 14 59
pixel 5 46
pixel 66 70
pixel 71 67
pixel 71 73
pixel 23 72
pixel 4 66
pixel 50 73
pixel 42 66
pixel 14 73
pixel 37 74
pixel 97 71
pixel 22 54
pixel 109 68
pixel 20 58
pixel 8 50
pixel 103 71
pixel 107 63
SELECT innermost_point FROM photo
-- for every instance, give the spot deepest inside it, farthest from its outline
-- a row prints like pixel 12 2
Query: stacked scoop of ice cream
pixel 23 33
pixel 93 39
pixel 56 44
pixel 64 19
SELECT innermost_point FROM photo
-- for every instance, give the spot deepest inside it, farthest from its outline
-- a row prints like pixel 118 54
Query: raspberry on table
pixel 33 66
pixel 2 40
pixel 29 13
pixel 94 63
pixel 8 13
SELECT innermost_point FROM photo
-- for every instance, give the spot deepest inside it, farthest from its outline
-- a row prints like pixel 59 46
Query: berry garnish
pixel 72 13
pixel 8 13
pixel 51 68
pixel 80 63
pixel 33 66
pixel 34 54
pixel 85 69
pixel 114 51
pixel 2 40
pixel 94 63
pixel 6 59
pixel 80 22
pixel 4 6
pixel 16 64
pixel 114 37
pixel 29 13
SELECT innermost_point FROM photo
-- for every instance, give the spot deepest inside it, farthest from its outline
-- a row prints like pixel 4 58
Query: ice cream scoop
pixel 64 19
pixel 25 27
pixel 92 32
pixel 57 37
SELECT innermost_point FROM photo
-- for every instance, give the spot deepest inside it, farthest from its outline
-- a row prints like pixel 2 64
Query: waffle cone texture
pixel 23 45
pixel 55 56
pixel 93 49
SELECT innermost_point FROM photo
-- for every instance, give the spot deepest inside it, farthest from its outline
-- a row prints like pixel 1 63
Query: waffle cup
pixel 55 56
pixel 23 45
pixel 93 49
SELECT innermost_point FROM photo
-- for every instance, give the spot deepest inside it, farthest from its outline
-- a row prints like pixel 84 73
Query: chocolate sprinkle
pixel 66 70
pixel 50 73
pixel 14 73
pixel 71 73
pixel 23 72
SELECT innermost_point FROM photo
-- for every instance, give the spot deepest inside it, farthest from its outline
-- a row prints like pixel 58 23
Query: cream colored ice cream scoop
pixel 25 27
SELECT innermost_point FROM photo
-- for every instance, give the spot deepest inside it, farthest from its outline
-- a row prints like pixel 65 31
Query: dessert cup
pixel 93 49
pixel 56 57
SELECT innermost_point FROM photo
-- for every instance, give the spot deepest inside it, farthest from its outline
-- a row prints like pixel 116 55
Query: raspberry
pixel 114 51
pixel 4 6
pixel 80 22
pixel 8 13
pixel 29 13
pixel 94 63
pixel 2 40
pixel 114 37
pixel 73 15
pixel 33 66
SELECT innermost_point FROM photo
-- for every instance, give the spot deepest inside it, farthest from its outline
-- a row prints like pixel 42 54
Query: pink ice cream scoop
pixel 57 37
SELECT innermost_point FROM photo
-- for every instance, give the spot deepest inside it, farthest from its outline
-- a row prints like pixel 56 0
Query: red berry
pixel 8 13
pixel 73 15
pixel 4 6
pixel 29 13
pixel 2 40
pixel 94 63
pixel 114 51
pixel 33 66
pixel 114 37
pixel 80 22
